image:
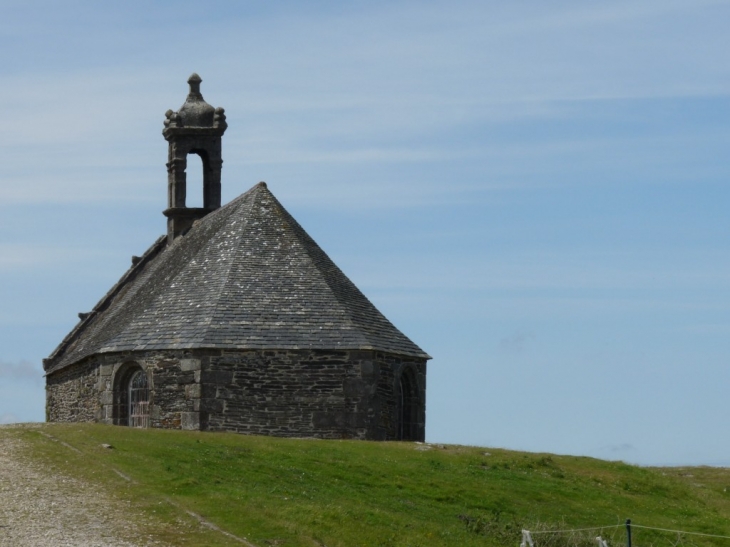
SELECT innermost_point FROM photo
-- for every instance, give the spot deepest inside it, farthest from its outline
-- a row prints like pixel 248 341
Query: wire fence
pixel 579 537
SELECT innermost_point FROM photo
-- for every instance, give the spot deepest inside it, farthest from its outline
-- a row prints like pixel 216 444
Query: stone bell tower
pixel 196 128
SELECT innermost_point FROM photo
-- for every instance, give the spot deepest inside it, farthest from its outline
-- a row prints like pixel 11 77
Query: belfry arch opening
pixel 408 406
pixel 195 180
pixel 131 396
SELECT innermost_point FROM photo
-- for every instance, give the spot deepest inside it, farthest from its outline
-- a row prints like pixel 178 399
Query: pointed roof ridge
pixel 339 306
pixel 336 280
pixel 246 276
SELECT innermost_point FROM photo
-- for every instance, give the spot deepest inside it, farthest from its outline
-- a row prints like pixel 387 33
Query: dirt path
pixel 38 508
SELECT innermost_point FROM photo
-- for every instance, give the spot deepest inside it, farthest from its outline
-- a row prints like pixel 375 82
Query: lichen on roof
pixel 246 276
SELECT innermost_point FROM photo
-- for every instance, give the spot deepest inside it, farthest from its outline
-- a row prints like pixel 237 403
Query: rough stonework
pixel 236 320
pixel 288 393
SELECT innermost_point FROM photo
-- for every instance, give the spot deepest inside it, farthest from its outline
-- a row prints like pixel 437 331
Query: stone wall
pixel 288 393
pixel 72 395
pixel 89 390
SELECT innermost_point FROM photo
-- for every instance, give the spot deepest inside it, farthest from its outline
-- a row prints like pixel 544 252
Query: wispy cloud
pixel 515 342
pixel 22 370
pixel 576 270
pixel 16 257
pixel 392 83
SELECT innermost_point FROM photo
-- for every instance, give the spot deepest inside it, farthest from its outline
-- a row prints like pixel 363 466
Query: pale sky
pixel 535 192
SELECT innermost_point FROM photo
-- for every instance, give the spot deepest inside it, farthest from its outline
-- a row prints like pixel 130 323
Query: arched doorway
pixel 132 397
pixel 408 406
pixel 139 400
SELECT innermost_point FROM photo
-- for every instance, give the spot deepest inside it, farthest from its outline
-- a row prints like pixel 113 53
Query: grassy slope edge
pixel 348 493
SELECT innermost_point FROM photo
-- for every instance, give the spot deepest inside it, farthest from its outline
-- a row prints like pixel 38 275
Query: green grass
pixel 350 493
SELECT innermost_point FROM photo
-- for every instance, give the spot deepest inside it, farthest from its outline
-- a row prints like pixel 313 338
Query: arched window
pixel 139 400
pixel 408 406
pixel 131 396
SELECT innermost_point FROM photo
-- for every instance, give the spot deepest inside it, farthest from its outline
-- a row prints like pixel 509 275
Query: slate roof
pixel 246 276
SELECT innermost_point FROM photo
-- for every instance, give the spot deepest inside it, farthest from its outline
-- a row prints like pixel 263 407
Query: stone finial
pixel 195 112
pixel 219 119
pixel 194 82
pixel 172 119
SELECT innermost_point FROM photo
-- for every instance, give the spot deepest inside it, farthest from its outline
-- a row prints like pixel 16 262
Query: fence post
pixel 628 532
pixel 526 539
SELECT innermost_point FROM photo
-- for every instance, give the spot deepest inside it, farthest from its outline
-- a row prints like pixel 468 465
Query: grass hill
pixel 349 493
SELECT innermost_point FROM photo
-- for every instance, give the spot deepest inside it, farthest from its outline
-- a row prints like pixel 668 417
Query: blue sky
pixel 535 192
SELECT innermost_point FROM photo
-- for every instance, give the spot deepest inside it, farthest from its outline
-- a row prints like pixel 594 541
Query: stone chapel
pixel 236 320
